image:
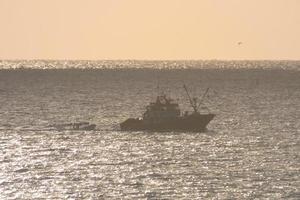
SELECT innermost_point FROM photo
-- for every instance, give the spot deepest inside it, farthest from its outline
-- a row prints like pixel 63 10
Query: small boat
pixel 85 126
pixel 165 115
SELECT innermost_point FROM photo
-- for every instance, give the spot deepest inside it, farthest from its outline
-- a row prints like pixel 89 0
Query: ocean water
pixel 250 151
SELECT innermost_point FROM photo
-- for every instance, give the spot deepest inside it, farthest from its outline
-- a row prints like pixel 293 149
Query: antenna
pixel 158 85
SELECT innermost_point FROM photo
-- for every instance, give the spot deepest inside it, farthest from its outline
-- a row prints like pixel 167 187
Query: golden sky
pixel 149 29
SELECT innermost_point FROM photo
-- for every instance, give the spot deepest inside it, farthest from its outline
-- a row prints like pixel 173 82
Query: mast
pixel 193 104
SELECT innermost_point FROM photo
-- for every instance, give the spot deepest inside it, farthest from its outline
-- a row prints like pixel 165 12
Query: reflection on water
pixel 159 165
pixel 250 151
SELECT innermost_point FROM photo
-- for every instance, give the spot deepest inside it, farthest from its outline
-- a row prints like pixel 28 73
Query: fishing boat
pixel 164 115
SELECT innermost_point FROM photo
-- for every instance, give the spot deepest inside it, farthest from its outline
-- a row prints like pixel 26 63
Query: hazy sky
pixel 149 29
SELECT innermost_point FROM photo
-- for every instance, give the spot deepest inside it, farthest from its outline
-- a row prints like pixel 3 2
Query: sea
pixel 251 149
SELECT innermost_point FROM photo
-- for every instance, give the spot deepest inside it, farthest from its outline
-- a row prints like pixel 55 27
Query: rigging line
pixel 190 99
pixel 202 98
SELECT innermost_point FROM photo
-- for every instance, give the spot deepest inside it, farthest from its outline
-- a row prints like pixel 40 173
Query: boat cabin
pixel 163 109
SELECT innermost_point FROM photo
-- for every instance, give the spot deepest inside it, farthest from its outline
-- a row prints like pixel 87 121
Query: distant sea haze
pixel 167 64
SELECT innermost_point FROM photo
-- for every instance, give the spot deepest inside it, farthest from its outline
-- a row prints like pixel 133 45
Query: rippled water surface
pixel 251 150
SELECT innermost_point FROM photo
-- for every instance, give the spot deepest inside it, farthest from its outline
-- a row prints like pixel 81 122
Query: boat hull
pixel 193 123
pixel 80 126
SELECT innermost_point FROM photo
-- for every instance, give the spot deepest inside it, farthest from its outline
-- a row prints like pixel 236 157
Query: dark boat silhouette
pixel 165 115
